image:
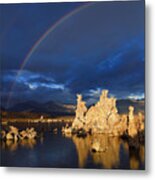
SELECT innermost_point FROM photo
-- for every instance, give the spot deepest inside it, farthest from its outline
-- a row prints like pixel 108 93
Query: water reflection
pixel 142 153
pixel 14 145
pixel 54 149
pixel 82 147
pixel 108 158
pixel 137 156
pixel 28 143
pixel 11 145
pixel 111 155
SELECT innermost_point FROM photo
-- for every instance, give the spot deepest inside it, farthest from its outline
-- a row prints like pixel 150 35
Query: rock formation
pixel 3 134
pixel 103 118
pixel 136 123
pixel 80 119
pixel 132 130
pixel 140 122
pixel 29 133
pixel 12 134
pixel 15 135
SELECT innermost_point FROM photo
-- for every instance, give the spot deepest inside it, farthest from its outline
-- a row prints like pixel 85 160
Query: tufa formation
pixel 15 135
pixel 103 117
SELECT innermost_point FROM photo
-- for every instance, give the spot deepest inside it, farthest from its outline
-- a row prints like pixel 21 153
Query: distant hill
pixel 123 104
pixel 34 109
pixel 27 106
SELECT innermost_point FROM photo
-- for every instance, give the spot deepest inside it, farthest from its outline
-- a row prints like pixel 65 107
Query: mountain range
pixel 54 109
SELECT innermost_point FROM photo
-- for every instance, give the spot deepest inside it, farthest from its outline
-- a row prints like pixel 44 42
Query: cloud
pixel 35 85
pixel 32 86
pixel 136 96
pixel 99 48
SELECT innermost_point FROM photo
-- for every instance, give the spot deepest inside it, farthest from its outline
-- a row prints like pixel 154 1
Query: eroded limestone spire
pixel 103 117
pixel 81 109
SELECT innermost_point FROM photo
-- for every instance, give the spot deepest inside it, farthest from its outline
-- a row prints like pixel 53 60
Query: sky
pixel 52 51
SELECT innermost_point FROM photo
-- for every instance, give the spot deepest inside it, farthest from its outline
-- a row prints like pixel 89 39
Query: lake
pixel 52 149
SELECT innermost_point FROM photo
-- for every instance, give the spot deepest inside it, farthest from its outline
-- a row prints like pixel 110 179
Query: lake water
pixel 57 151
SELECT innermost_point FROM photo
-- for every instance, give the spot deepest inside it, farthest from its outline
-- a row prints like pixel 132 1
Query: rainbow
pixel 43 37
pixel 51 29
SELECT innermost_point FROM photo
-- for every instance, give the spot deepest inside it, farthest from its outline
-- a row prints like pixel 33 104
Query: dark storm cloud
pixel 29 80
pixel 121 71
pixel 32 86
pixel 101 47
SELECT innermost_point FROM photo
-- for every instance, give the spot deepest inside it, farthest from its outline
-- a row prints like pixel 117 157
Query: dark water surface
pixel 55 150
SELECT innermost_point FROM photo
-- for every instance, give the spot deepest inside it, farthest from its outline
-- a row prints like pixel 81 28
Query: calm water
pixel 55 150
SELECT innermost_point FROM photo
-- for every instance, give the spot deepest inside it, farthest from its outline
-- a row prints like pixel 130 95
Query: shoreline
pixel 5 121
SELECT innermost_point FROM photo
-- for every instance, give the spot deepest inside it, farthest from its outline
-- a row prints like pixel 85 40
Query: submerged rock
pixel 23 134
pixel 9 136
pixel 55 130
pixel 14 134
pixel 31 133
pixel 14 130
pixel 66 130
pixel 96 147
